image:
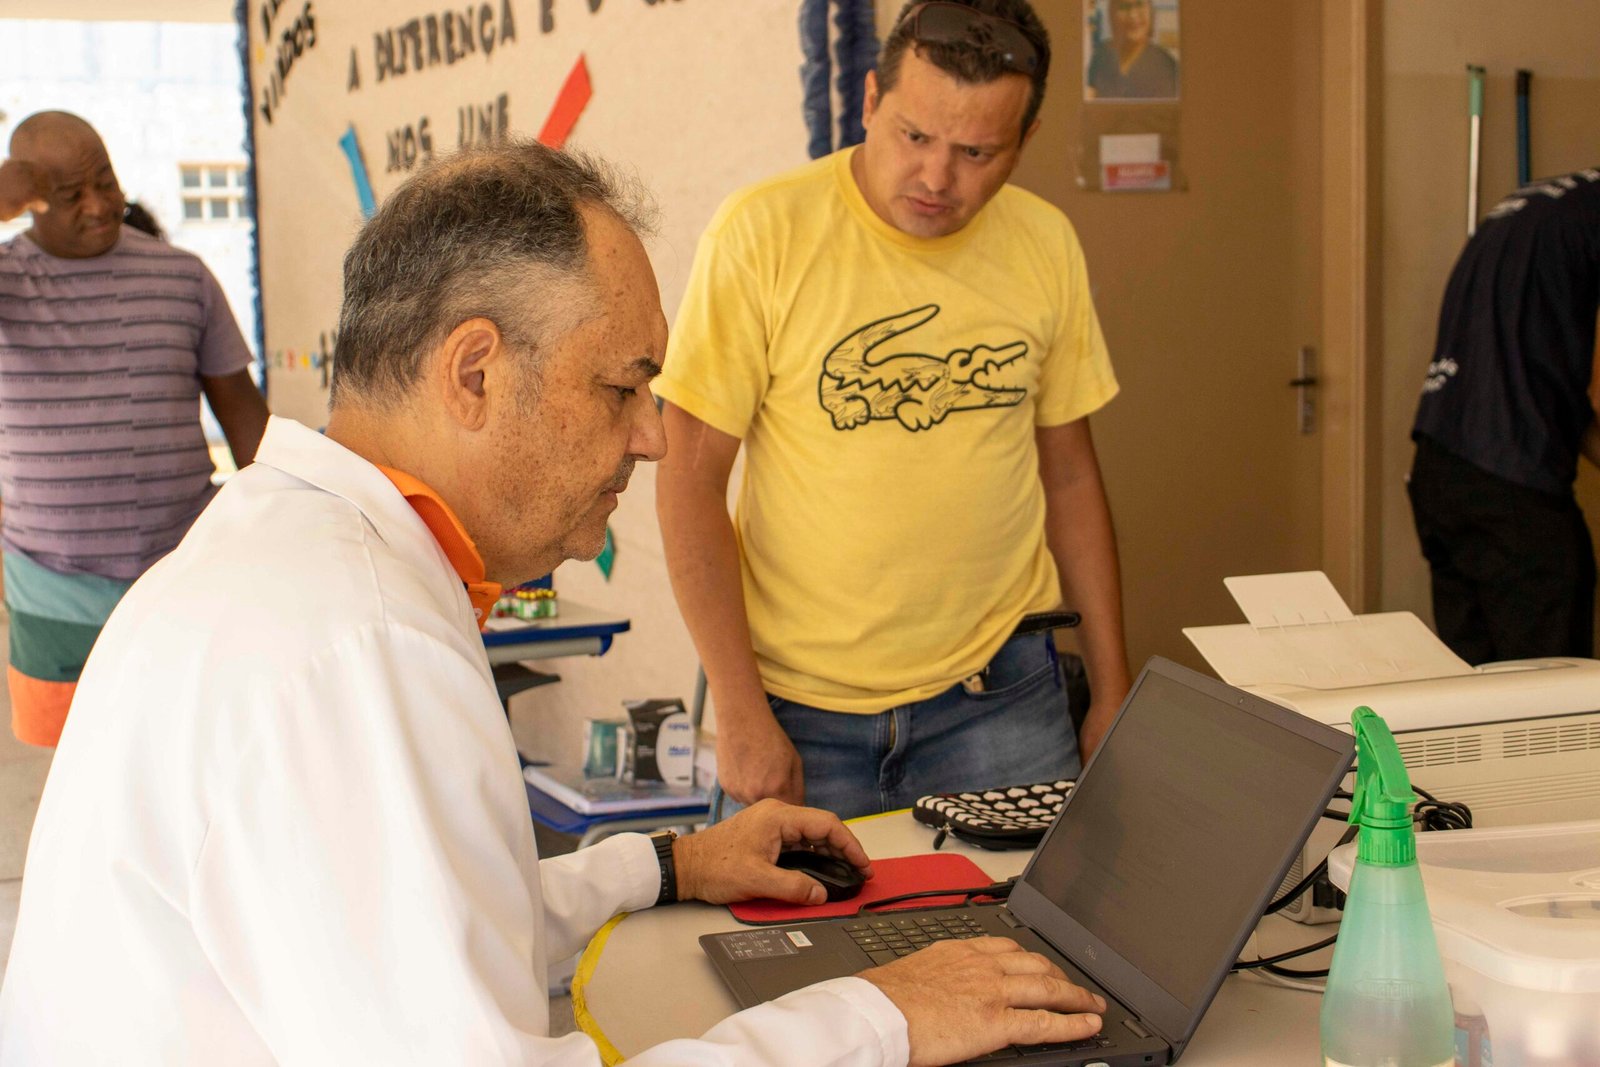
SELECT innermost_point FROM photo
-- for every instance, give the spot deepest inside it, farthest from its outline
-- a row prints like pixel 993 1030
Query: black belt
pixel 1042 622
pixel 1046 620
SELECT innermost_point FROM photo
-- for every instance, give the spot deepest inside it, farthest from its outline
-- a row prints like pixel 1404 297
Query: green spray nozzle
pixel 1383 797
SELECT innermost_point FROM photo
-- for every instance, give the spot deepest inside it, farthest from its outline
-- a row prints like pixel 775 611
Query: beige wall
pixel 120 10
pixel 1427 45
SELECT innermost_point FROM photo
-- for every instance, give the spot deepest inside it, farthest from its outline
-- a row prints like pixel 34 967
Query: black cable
pixel 1299 887
pixel 1267 961
pixel 1431 813
pixel 995 890
pixel 1317 872
pixel 1309 880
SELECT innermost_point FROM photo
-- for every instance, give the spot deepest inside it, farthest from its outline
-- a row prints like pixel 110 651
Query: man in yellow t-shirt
pixel 907 349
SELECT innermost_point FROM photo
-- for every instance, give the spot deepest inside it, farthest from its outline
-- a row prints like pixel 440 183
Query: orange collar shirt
pixel 453 539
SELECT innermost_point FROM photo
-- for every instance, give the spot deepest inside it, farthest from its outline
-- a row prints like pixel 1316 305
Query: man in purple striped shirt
pixel 108 338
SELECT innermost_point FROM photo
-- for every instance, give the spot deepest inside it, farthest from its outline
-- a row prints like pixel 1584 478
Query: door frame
pixel 1351 297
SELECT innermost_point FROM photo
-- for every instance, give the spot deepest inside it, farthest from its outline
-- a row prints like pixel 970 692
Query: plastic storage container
pixel 1516 911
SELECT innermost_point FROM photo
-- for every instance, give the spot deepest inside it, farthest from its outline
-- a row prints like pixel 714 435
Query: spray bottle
pixel 1386 1002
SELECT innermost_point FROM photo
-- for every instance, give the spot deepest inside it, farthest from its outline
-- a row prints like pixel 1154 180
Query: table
pixel 577 631
pixel 1252 1022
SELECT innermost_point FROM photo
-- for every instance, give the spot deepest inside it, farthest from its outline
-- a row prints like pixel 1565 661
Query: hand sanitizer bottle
pixel 1386 1002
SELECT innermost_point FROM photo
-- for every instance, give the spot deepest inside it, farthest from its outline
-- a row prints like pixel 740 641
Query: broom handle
pixel 1475 110
pixel 1524 150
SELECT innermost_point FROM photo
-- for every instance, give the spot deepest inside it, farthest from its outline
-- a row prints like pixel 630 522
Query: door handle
pixel 1305 381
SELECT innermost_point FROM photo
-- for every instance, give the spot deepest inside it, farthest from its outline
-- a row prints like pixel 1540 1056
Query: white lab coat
pixel 286 822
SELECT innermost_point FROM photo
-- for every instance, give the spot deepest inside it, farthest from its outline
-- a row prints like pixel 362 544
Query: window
pixel 212 192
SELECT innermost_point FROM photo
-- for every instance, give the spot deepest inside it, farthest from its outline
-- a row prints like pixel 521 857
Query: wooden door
pixel 1205 296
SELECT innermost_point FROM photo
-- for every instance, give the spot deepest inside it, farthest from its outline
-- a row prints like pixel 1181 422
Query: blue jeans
pixel 1016 730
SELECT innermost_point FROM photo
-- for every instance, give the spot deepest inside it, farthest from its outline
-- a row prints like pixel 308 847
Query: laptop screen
pixel 1177 827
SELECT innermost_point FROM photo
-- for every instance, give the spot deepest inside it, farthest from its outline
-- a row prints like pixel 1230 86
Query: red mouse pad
pixel 890 878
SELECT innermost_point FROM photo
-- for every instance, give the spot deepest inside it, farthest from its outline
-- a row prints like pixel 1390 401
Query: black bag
pixel 1005 817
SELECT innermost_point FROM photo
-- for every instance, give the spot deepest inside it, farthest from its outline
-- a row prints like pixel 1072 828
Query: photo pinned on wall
pixel 1130 50
pixel 1131 90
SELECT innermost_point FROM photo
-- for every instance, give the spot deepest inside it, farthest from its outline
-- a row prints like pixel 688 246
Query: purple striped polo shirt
pixel 103 462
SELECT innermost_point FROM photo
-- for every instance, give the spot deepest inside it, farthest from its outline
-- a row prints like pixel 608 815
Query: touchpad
pixel 770 979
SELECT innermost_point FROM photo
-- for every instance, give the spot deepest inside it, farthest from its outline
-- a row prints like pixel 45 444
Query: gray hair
pixel 492 232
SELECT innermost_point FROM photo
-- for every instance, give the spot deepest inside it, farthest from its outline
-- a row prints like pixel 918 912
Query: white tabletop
pixel 644 980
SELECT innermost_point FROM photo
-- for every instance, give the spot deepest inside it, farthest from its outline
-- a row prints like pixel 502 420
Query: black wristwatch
pixel 662 840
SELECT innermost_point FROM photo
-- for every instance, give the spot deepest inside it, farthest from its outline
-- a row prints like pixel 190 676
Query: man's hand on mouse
pixel 734 860
pixel 965 998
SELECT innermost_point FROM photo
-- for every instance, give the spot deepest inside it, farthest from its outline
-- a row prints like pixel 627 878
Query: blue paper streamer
pixel 358 171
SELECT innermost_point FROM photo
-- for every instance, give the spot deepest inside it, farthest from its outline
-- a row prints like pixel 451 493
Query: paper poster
pixel 696 97
pixel 1129 132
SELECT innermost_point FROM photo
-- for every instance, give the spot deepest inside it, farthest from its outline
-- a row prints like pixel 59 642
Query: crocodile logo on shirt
pixel 860 383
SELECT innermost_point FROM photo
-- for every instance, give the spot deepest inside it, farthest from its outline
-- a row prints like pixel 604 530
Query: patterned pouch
pixel 1005 817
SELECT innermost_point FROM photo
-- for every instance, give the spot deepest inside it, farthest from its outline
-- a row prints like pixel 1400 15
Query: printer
pixel 1518 742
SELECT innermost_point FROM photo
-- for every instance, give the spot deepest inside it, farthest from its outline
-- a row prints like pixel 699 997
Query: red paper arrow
pixel 570 102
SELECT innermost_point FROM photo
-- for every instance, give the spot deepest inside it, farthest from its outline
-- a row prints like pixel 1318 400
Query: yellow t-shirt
pixel 887 389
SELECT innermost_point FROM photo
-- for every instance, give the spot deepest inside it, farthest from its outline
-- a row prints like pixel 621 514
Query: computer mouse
pixel 839 877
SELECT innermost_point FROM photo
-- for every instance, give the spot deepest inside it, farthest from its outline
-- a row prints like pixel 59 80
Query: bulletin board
pixel 347 97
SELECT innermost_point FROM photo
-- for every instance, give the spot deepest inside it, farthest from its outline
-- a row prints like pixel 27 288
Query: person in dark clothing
pixel 1507 408
pixel 140 218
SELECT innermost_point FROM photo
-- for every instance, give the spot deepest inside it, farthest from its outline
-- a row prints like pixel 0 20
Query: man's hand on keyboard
pixel 964 998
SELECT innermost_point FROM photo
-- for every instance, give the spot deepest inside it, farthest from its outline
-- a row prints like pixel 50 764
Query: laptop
pixel 1145 889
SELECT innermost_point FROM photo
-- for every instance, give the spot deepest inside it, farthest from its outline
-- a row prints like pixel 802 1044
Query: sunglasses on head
pixel 941 22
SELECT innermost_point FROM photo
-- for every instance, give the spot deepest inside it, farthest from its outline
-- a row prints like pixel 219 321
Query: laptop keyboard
pixel 887 939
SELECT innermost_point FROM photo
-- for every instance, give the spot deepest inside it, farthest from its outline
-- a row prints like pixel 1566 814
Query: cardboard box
pixel 660 743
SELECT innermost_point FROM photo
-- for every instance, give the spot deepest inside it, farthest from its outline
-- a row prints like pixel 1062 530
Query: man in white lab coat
pixel 286 822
